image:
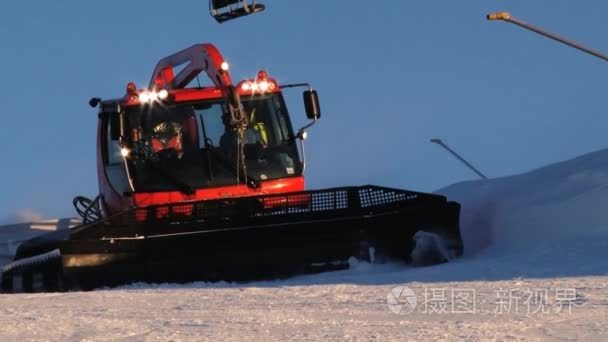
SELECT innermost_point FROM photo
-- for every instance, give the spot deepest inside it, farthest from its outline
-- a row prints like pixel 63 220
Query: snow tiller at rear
pixel 206 183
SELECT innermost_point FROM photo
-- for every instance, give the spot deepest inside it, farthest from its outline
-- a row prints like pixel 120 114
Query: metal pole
pixel 506 16
pixel 442 144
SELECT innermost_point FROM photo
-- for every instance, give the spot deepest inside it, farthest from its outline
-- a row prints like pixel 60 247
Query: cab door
pixel 114 184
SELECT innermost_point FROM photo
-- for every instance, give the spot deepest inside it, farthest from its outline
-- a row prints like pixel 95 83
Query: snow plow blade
pixel 237 239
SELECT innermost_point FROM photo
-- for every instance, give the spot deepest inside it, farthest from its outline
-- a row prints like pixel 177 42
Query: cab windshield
pixel 188 145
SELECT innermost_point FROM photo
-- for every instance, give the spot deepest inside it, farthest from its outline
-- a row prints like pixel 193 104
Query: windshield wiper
pixel 207 147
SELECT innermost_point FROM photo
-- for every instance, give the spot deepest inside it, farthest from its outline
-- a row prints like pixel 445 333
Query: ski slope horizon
pixel 551 220
pixel 546 229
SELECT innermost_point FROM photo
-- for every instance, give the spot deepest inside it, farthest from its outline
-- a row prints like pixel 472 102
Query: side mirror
pixel 94 101
pixel 311 103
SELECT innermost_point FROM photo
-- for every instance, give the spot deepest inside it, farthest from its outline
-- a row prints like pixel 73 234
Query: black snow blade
pixel 250 238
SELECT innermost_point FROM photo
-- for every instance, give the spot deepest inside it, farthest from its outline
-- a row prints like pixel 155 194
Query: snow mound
pixel 551 222
pixel 11 236
pixel 430 249
pixel 559 204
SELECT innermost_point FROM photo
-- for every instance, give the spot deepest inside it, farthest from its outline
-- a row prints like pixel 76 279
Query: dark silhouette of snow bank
pixel 14 234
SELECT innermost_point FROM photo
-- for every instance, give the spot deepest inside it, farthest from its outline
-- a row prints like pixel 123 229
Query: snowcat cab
pixel 206 183
pixel 168 143
pixel 224 10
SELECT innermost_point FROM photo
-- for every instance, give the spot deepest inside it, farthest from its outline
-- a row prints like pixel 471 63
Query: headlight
pixel 151 96
pixel 124 152
pixel 263 86
pixel 144 97
pixel 163 94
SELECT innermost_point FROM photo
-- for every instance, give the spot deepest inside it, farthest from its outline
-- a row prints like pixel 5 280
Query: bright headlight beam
pixel 144 97
pixel 151 96
pixel 124 152
pixel 263 86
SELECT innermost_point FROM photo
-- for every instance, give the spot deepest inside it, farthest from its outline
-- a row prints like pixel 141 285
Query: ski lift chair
pixel 224 10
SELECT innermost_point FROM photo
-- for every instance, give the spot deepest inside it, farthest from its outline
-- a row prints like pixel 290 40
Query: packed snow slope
pixel 545 229
pixel 549 222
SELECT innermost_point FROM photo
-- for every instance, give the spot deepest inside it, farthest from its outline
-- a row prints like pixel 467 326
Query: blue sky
pixel 389 76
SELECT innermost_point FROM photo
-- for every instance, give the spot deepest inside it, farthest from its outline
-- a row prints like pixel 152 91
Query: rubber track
pixel 34 274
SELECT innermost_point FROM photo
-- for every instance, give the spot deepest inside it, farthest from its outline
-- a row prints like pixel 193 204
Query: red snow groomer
pixel 206 183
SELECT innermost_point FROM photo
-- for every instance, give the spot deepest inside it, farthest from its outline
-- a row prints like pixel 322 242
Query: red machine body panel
pixel 292 184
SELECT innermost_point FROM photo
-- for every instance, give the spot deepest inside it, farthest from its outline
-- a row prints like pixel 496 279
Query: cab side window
pixel 112 144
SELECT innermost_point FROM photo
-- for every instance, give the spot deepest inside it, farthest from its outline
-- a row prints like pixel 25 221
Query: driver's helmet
pixel 167 135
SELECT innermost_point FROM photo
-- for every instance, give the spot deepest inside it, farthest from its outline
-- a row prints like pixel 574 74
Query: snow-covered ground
pixel 534 269
pixel 343 311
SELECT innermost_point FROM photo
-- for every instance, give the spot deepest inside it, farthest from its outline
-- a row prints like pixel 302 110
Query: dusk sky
pixel 390 75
